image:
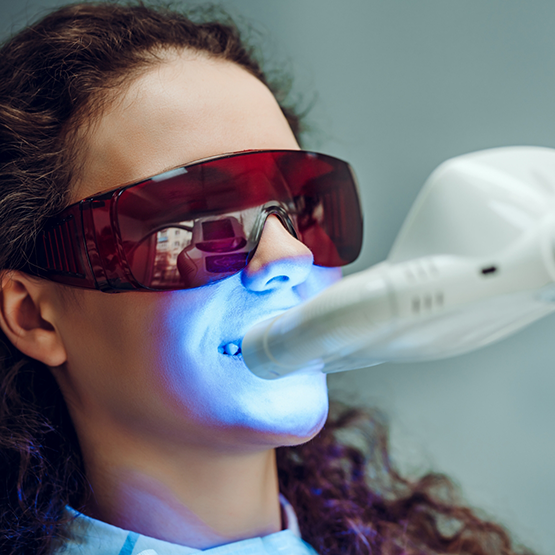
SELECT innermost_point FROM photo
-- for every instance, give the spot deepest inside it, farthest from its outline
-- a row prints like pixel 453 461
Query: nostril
pixel 277 279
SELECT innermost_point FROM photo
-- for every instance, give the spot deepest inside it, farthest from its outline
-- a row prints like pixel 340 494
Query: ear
pixel 27 317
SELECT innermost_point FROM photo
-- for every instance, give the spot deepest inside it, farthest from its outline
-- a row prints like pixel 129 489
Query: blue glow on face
pixel 214 390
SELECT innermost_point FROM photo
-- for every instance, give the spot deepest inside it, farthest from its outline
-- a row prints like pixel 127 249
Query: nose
pixel 280 260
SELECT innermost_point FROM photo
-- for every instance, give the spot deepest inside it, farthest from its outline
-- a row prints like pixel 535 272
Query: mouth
pixel 230 349
pixel 233 348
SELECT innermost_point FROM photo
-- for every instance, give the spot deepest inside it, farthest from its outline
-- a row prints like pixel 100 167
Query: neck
pixel 187 495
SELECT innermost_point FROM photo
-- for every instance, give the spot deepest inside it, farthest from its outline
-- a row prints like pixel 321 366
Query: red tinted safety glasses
pixel 202 222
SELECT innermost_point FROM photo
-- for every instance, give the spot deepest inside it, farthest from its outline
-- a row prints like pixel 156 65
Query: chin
pixel 298 439
pixel 298 427
pixel 273 413
pixel 307 414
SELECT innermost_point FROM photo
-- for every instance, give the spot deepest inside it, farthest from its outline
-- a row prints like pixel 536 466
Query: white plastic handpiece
pixel 422 309
pixel 321 330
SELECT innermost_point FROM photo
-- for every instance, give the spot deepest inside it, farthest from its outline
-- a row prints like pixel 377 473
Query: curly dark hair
pixel 54 76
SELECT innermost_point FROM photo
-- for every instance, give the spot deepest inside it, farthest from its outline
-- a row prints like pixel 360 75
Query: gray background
pixel 399 86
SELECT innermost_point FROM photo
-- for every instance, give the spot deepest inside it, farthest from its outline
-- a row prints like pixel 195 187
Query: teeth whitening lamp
pixel 473 263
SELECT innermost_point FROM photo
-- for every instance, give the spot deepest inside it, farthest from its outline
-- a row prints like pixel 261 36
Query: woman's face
pixel 156 363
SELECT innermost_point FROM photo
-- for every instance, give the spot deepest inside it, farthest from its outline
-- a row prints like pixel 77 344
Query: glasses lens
pixel 327 207
pixel 194 225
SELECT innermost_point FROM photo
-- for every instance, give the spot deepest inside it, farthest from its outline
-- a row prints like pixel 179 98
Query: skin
pixel 178 438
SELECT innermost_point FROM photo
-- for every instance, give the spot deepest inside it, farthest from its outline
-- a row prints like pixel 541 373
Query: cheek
pixel 177 354
pixel 152 361
pixel 111 345
pixel 320 278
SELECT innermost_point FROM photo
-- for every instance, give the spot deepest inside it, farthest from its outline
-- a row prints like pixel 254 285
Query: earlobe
pixel 26 319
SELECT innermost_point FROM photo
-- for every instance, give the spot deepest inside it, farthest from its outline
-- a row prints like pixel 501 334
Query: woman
pixel 129 422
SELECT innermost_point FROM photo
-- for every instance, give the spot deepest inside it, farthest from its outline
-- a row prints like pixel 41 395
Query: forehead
pixel 186 108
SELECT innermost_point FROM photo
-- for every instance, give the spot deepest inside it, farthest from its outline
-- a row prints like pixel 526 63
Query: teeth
pixel 231 349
